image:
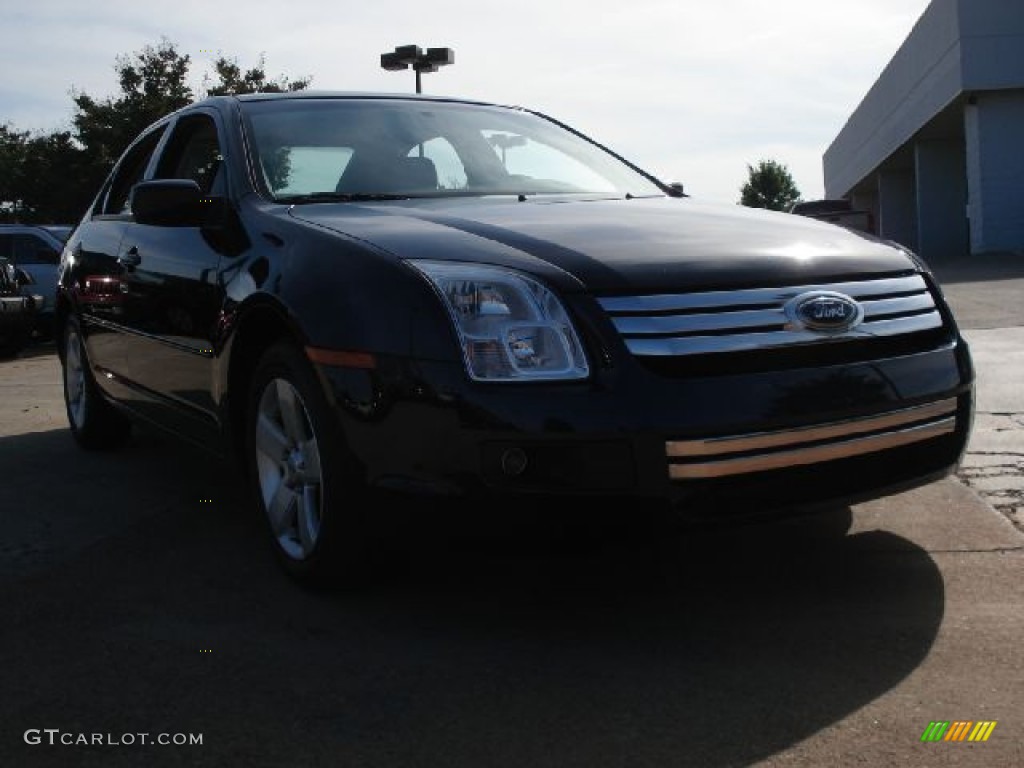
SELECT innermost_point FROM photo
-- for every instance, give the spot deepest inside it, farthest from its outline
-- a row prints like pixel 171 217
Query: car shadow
pixel 485 637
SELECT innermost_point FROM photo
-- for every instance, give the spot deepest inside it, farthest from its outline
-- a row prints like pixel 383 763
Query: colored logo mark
pixel 958 730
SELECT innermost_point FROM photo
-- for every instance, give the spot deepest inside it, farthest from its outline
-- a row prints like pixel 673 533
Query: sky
pixel 692 91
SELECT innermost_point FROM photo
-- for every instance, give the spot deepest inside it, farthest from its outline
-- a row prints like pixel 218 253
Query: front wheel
pixel 306 483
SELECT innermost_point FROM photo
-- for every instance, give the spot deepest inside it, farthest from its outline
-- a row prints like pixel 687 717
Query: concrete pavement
pixel 987 297
pixel 994 465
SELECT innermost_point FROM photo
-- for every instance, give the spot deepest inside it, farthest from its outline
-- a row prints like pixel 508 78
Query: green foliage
pixel 58 179
pixel 231 79
pixel 153 83
pixel 12 159
pixel 277 164
pixel 769 185
pixel 53 177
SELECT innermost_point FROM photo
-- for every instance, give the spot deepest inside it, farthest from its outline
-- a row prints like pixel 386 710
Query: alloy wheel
pixel 74 379
pixel 288 469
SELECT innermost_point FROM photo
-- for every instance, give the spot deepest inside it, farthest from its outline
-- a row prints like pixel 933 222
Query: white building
pixel 936 148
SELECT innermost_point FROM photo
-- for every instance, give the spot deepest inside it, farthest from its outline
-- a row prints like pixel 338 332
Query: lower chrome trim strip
pixel 814 433
pixel 813 454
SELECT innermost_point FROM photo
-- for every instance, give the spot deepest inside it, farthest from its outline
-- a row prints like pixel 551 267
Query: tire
pixel 95 424
pixel 308 487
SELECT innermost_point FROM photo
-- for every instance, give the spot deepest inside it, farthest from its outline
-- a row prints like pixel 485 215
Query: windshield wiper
pixel 340 197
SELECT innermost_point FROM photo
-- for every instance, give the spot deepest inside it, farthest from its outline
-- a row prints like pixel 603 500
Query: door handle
pixel 130 258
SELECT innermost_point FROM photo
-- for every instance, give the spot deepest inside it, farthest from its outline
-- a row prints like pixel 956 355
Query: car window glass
pixel 8 277
pixel 129 172
pixel 529 159
pixel 193 152
pixel 428 150
pixel 30 249
pixel 302 170
pixel 451 174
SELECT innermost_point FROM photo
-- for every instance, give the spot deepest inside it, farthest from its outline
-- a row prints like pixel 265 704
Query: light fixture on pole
pixel 405 56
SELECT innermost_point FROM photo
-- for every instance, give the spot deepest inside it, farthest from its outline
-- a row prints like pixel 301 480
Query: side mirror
pixel 174 203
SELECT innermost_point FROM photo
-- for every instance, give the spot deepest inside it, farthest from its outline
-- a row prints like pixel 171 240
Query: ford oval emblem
pixel 824 311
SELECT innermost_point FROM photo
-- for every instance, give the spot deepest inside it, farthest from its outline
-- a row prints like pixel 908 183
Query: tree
pixel 56 184
pixel 12 160
pixel 232 80
pixel 153 83
pixel 770 186
pixel 43 178
pixel 53 177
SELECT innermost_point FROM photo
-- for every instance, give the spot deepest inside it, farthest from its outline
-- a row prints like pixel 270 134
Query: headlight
pixel 511 327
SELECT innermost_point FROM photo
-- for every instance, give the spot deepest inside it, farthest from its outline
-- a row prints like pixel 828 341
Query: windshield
pixel 360 149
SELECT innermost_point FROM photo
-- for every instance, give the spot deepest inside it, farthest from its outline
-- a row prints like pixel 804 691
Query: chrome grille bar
pixel 730 321
pixel 741 454
pixel 758 296
pixel 695 345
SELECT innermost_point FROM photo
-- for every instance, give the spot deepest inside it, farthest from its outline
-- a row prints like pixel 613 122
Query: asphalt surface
pixel 138 595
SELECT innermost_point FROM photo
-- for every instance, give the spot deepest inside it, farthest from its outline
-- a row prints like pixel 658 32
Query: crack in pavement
pixel 1000 485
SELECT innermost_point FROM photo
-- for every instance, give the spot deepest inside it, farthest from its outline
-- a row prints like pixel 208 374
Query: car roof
pixel 17 225
pixel 38 229
pixel 341 95
pixel 221 102
pixel 315 94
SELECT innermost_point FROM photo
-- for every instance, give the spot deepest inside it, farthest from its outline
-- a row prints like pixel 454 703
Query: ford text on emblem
pixel 824 311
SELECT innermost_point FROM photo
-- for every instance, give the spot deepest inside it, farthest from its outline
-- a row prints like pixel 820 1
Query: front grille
pixel 754 320
pixel 763 451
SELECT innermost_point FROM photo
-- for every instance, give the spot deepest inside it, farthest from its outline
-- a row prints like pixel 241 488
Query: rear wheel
pixel 306 483
pixel 94 423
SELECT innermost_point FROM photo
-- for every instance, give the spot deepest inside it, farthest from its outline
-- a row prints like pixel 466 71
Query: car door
pixel 94 273
pixel 173 292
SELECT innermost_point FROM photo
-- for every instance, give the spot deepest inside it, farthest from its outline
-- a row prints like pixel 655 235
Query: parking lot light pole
pixel 405 56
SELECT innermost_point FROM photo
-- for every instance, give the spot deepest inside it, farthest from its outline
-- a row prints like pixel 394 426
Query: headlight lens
pixel 511 327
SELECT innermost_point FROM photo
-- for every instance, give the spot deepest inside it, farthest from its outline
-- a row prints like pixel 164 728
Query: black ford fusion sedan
pixel 358 292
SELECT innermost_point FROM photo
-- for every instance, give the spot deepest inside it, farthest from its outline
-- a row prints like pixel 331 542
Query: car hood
pixel 617 246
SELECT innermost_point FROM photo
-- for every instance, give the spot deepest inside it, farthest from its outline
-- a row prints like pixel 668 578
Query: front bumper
pixel 713 442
